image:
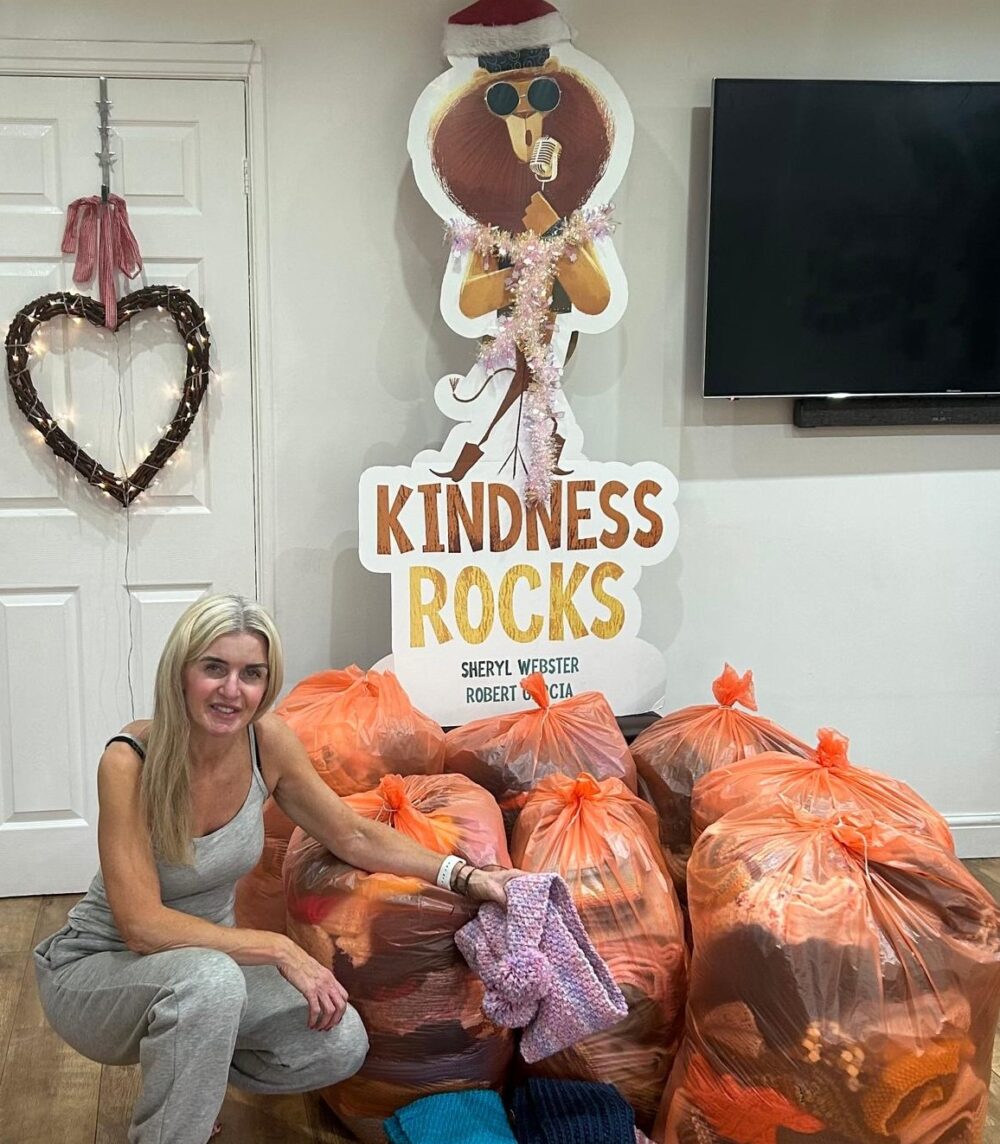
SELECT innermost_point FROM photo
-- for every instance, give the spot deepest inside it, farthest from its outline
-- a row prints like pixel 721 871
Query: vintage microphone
pixel 544 161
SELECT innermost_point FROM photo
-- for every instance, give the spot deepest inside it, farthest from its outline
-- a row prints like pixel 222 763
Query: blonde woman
pixel 149 966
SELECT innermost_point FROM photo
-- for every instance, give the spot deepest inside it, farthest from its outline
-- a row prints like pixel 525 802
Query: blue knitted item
pixel 571 1112
pixel 473 1117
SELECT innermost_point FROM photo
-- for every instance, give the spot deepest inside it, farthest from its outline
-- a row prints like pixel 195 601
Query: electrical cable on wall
pixel 128 526
pixel 106 158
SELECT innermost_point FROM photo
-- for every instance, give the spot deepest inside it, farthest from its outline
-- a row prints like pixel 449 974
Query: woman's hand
pixel 489 885
pixel 326 996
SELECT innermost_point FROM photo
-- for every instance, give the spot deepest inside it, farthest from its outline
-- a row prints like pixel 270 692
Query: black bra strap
pixel 140 750
pixel 132 741
pixel 254 749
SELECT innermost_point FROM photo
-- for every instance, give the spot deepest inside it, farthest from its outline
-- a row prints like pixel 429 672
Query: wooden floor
pixel 50 1093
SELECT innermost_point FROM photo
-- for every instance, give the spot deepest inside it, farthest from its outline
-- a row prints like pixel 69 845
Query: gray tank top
pixel 207 889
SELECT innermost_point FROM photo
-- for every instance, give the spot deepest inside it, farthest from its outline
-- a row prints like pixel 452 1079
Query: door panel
pixel 42 706
pixel 89 592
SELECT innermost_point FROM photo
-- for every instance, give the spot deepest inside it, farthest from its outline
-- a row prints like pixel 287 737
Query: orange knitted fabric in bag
pixel 602 840
pixel 390 942
pixel 673 753
pixel 845 986
pixel 510 754
pixel 823 780
pixel 356 726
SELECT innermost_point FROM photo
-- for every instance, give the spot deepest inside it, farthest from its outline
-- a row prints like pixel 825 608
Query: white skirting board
pixel 976 835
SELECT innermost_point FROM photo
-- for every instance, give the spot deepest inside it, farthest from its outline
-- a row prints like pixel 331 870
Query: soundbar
pixel 823 412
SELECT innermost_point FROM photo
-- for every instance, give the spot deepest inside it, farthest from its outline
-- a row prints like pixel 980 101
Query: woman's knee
pixel 106 1005
pixel 338 1053
pixel 349 1047
pixel 208 979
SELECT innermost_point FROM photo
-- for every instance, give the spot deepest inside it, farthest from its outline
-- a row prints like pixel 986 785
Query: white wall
pixel 854 571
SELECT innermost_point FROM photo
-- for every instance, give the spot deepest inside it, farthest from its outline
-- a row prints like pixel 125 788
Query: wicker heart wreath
pixel 188 317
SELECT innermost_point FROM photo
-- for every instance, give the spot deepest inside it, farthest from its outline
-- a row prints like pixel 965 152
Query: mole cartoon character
pixel 517 147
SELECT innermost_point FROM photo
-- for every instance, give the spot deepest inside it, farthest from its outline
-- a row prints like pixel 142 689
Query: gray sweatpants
pixel 194 1020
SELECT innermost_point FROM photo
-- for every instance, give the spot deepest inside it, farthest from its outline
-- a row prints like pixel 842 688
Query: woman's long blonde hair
pixel 166 774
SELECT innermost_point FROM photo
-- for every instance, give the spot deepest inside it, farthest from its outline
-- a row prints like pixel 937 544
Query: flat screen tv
pixel 854 239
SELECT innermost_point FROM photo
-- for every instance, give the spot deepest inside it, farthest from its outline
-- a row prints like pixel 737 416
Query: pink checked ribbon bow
pixel 100 234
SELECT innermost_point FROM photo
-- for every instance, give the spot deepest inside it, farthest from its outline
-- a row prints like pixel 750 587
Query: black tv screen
pixel 854 238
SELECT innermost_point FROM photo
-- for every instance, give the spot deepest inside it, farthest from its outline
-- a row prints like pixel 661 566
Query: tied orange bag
pixel 601 839
pixel 356 727
pixel 845 986
pixel 390 942
pixel 510 754
pixel 678 749
pixel 823 780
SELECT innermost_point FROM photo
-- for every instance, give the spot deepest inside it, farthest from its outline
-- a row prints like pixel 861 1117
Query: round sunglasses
pixel 543 95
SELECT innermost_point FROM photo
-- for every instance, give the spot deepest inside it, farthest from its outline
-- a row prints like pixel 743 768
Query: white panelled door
pixel 88 592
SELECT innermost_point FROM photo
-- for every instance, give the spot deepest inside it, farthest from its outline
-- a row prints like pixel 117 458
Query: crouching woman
pixel 150 967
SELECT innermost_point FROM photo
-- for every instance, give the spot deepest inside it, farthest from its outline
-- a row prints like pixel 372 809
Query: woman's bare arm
pixel 359 841
pixel 132 884
pixel 310 803
pixel 148 926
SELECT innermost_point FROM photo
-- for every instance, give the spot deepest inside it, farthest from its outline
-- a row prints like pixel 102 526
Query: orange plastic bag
pixel 845 986
pixel 673 753
pixel 390 942
pixel 510 754
pixel 356 727
pixel 823 781
pixel 602 840
pixel 260 896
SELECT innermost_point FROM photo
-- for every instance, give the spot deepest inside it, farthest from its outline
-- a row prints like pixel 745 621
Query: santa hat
pixel 499 27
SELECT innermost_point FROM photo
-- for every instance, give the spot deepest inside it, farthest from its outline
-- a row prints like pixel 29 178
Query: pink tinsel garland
pixel 528 325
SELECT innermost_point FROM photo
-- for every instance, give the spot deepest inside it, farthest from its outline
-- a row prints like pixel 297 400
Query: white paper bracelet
pixel 448 867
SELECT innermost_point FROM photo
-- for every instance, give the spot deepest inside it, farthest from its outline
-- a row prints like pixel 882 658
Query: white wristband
pixel 448 867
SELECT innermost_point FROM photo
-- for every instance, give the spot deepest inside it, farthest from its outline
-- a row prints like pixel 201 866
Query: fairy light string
pixel 527 325
pixel 187 316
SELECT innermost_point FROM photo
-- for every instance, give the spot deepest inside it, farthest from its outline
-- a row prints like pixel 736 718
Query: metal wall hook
pixel 106 157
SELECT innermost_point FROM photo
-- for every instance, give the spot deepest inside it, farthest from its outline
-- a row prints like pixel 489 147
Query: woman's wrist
pixel 287 953
pixel 450 865
pixel 455 874
pixel 463 876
